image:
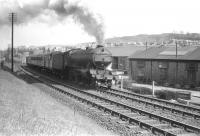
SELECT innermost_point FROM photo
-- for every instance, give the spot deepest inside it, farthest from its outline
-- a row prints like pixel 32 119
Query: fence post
pixel 121 82
pixel 153 88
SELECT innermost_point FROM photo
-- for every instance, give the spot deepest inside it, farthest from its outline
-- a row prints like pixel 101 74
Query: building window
pixel 163 65
pixel 115 63
pixel 191 66
pixel 140 64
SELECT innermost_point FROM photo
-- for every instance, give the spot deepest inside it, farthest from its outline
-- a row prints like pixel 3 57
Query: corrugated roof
pixel 125 51
pixel 183 53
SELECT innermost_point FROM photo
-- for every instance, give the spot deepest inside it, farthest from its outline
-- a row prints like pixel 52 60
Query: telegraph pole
pixel 12 18
pixel 146 62
pixel 176 63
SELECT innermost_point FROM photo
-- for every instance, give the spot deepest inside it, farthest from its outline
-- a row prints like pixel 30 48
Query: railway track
pixel 124 114
pixel 184 110
pixel 175 111
pixel 141 105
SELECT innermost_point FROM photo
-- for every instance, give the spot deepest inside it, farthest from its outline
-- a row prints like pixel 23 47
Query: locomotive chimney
pixel 87 48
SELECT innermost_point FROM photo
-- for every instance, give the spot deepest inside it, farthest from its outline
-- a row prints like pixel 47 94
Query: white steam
pixel 26 11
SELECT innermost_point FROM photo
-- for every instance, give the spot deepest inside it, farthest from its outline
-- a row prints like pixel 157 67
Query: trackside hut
pixel 120 56
pixel 166 65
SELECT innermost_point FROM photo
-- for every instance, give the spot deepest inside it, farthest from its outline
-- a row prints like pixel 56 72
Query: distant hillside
pixel 155 37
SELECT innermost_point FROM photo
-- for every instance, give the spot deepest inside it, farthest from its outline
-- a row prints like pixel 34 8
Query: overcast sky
pixel 120 18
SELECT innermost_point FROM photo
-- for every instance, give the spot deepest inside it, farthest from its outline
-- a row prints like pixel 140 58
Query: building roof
pixel 125 51
pixel 169 53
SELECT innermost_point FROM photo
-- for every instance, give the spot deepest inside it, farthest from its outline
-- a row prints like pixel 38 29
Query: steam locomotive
pixel 89 66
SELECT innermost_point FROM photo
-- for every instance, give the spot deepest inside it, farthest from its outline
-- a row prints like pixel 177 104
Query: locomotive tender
pixel 85 66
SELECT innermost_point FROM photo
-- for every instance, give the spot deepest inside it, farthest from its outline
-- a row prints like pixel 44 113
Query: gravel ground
pixel 26 110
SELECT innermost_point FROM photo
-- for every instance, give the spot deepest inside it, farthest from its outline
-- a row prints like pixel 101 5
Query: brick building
pixel 167 66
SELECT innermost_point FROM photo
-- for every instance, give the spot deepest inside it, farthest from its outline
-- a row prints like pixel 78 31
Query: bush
pixel 127 83
pixel 140 90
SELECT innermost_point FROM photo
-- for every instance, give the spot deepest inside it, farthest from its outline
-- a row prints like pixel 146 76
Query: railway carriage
pixel 36 60
pixel 47 61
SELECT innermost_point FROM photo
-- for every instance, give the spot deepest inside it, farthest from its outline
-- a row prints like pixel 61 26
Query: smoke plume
pixel 61 9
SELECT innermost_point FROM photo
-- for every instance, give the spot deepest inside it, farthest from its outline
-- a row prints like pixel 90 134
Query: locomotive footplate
pixel 100 74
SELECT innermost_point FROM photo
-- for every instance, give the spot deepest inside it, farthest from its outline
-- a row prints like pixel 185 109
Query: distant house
pixel 166 65
pixel 23 57
pixel 120 56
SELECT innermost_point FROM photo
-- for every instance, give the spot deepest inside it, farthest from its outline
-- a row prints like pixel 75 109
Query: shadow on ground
pixel 18 73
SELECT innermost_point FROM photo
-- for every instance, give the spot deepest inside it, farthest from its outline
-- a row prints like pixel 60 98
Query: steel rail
pixel 196 116
pixel 159 100
pixel 152 128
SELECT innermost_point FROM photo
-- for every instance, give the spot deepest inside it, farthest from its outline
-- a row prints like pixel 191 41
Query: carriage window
pixel 36 58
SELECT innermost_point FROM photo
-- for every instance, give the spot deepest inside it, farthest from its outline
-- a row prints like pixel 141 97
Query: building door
pixel 163 66
pixel 141 71
pixel 115 63
pixel 191 76
pixel 191 72
pixel 163 75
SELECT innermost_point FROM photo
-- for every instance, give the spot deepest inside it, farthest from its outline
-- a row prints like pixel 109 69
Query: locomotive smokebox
pixel 102 57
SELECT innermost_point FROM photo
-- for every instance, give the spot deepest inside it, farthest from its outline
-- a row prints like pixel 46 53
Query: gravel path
pixel 26 110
